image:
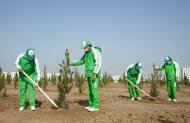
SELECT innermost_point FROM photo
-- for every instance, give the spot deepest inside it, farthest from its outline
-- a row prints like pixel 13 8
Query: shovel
pixel 41 90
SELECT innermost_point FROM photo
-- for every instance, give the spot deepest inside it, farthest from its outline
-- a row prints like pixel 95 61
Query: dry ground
pixel 115 107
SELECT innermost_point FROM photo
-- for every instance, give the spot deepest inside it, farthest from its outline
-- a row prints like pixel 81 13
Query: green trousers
pixel 93 87
pixel 131 87
pixel 26 84
pixel 171 87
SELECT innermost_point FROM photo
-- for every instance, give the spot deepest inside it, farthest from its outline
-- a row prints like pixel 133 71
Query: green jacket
pixel 171 70
pixel 132 73
pixel 29 66
pixel 92 61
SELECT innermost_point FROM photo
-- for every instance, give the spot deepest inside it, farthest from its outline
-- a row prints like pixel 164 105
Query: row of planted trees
pixel 76 78
pixel 6 79
pixel 67 78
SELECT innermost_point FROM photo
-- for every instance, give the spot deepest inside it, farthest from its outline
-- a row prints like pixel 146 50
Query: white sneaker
pixel 169 99
pixel 132 99
pixel 139 98
pixel 93 109
pixel 21 108
pixel 174 100
pixel 33 108
pixel 88 107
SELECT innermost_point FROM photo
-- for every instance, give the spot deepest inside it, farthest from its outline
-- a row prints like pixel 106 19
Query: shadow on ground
pixel 83 103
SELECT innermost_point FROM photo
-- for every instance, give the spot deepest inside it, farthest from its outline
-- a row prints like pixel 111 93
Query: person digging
pixel 133 74
pixel 172 75
pixel 28 63
pixel 92 61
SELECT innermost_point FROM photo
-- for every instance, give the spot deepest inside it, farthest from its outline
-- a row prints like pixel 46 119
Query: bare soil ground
pixel 115 107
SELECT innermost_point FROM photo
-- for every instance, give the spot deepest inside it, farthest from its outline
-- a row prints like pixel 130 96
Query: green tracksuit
pixel 172 72
pixel 92 61
pixel 31 67
pixel 133 75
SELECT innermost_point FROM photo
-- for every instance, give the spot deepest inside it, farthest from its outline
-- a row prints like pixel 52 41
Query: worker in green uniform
pixel 172 75
pixel 92 61
pixel 133 74
pixel 28 63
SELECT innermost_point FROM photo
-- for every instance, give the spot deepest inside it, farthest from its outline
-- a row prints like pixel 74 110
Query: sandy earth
pixel 115 107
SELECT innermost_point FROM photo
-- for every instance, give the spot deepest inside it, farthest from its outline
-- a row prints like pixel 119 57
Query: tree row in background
pixel 67 78
pixel 2 84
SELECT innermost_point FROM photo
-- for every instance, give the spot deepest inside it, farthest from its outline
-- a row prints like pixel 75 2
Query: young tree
pixel 147 79
pixel 110 78
pixel 44 78
pixel 76 76
pixel 8 78
pixel 123 79
pixel 82 80
pixel 154 92
pixel 16 80
pixel 162 79
pixel 101 84
pixel 64 83
pixel 177 86
pixel 120 79
pixel 53 78
pixel 141 82
pixel 40 82
pixel 186 81
pixel 2 84
pixel 79 81
pixel 105 78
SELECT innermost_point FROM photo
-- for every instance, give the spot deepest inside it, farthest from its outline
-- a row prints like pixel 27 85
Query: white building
pixel 116 78
pixel 12 74
pixel 185 72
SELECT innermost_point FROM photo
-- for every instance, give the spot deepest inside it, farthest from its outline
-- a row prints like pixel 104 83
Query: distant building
pixel 13 74
pixel 116 78
pixel 185 72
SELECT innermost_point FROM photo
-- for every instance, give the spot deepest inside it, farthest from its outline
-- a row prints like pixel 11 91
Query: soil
pixel 115 107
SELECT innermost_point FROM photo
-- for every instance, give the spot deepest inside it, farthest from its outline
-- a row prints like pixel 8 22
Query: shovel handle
pixel 41 90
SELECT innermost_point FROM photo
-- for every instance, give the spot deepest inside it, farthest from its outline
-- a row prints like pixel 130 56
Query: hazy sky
pixel 127 31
